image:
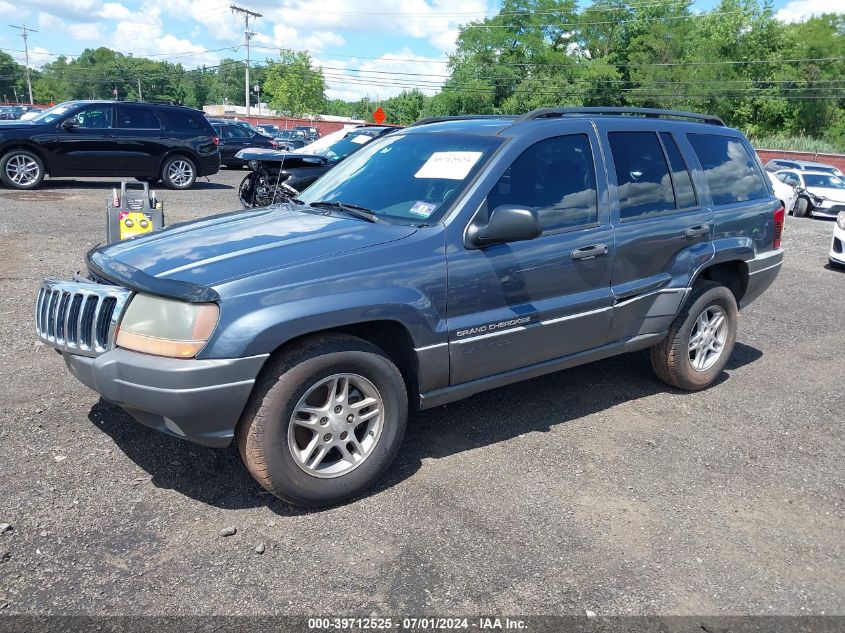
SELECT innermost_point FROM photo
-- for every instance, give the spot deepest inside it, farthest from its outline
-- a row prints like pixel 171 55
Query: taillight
pixel 779 216
pixel 215 139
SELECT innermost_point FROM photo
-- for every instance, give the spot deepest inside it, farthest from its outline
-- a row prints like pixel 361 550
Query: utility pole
pixel 140 95
pixel 24 33
pixel 247 36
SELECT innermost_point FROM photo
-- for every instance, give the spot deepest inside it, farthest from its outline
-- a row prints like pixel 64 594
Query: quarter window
pixel 642 175
pixel 556 177
pixel 729 167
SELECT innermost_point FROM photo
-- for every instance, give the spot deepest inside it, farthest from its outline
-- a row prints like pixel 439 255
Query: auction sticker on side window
pixel 448 165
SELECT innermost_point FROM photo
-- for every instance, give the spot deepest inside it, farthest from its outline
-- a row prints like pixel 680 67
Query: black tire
pixel 263 430
pixel 182 166
pixel 23 156
pixel 670 359
pixel 802 206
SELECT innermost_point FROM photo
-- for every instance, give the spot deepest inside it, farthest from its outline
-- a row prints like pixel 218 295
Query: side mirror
pixel 70 124
pixel 507 223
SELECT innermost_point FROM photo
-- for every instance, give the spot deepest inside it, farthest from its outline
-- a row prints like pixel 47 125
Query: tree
pixel 293 86
pixel 405 108
pixel 11 77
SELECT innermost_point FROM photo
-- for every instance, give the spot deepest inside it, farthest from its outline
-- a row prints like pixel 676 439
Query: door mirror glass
pixel 507 223
pixel 70 124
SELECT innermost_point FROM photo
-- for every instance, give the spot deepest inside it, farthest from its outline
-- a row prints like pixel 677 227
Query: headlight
pixel 818 199
pixel 166 327
pixel 840 220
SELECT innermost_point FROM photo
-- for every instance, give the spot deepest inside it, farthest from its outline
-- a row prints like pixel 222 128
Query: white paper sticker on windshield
pixel 448 165
pixel 361 139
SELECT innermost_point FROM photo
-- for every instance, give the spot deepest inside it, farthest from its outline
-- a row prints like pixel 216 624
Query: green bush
pixel 798 143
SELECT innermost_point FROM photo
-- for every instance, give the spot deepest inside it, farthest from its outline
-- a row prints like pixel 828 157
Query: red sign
pixel 378 115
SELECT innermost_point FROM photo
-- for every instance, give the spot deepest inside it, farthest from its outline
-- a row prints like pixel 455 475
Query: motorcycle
pixel 265 185
pixel 262 187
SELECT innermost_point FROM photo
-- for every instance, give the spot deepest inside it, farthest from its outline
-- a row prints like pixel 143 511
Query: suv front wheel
pixel 325 421
pixel 700 340
pixel 21 169
pixel 179 172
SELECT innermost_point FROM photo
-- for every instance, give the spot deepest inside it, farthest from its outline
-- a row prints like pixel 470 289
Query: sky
pixel 350 39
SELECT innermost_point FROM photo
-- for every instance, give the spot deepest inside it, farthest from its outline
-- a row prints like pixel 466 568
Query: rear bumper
pixel 209 165
pixel 197 400
pixel 762 271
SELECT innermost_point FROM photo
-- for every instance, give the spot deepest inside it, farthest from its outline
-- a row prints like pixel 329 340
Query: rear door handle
pixel 589 252
pixel 697 231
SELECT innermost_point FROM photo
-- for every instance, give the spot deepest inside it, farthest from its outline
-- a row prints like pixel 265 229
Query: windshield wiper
pixel 362 213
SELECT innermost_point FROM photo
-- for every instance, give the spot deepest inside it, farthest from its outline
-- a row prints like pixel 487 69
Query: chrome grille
pixel 79 317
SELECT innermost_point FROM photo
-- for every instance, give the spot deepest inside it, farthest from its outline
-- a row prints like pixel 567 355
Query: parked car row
pixel 146 141
pixel 13 113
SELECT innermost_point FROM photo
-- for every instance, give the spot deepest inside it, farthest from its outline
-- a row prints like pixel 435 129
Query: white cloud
pixel 82 31
pixel 384 77
pixel 436 22
pixel 800 10
pixel 288 37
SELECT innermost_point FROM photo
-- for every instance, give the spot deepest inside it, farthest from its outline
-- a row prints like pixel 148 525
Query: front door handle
pixel 697 231
pixel 589 252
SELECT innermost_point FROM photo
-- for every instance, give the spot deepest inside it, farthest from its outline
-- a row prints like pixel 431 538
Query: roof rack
pixel 462 117
pixel 548 113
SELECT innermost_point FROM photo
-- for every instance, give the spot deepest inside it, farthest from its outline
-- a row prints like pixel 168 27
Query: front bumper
pixel 827 209
pixel 762 271
pixel 197 400
pixel 837 246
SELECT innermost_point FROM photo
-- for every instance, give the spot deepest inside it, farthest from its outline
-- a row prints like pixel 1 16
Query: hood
pixel 15 124
pixel 837 195
pixel 209 252
pixel 290 159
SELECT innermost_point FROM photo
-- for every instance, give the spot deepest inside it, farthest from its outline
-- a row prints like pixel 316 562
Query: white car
pixel 825 192
pixel 787 194
pixel 837 243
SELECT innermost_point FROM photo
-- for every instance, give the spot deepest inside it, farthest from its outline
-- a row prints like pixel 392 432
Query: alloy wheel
pixel 707 338
pixel 180 173
pixel 22 170
pixel 336 425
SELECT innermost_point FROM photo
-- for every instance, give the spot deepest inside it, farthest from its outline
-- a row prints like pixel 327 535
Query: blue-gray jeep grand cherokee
pixel 455 256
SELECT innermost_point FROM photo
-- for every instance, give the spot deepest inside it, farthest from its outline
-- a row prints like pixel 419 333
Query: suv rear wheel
pixel 700 340
pixel 21 169
pixel 179 172
pixel 324 422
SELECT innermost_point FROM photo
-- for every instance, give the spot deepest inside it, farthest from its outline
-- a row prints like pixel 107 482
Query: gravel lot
pixel 596 488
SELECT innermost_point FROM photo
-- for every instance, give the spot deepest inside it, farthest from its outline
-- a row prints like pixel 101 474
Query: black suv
pixel 106 138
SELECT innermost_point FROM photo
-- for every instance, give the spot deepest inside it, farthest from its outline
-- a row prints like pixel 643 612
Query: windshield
pixel 406 176
pixel 826 182
pixel 350 143
pixel 48 116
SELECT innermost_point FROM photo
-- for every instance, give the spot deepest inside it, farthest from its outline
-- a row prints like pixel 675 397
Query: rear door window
pixel 642 175
pixel 134 118
pixel 729 167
